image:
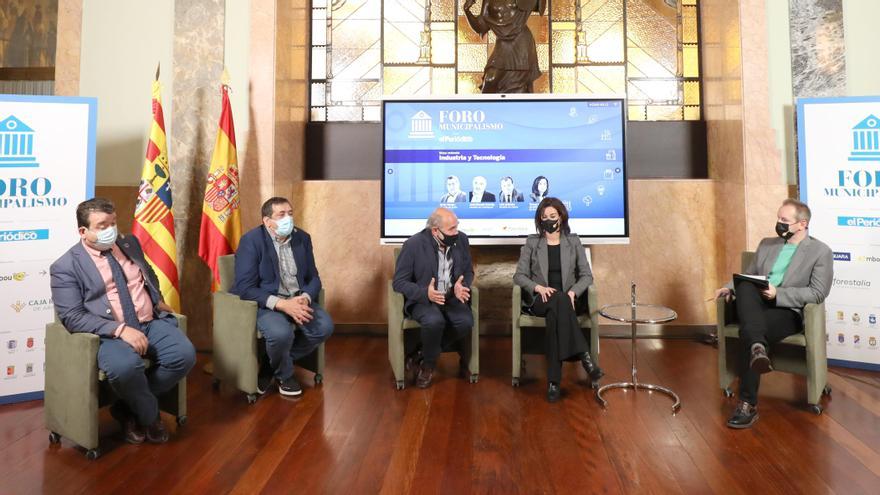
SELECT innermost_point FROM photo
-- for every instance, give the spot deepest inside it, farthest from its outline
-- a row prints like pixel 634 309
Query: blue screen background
pixel 576 144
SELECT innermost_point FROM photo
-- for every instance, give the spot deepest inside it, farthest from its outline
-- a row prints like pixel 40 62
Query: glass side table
pixel 635 313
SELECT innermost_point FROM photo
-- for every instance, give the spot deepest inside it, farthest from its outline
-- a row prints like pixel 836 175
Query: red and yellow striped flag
pixel 221 218
pixel 153 219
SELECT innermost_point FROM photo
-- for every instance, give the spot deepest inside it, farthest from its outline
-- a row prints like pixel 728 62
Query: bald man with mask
pixel 434 272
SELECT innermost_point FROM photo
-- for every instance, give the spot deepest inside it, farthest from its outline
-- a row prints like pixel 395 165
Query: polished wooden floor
pixel 356 434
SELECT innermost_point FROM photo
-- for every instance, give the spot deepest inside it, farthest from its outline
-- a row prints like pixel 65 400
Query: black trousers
pixel 443 328
pixel 760 321
pixel 564 339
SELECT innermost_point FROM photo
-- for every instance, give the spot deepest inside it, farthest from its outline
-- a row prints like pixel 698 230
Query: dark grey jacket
pixel 533 266
pixel 808 278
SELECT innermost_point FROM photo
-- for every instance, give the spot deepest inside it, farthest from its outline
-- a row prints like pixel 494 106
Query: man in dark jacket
pixel 434 272
pixel 275 267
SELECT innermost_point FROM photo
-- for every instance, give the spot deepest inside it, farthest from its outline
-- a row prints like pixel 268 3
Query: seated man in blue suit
pixel 434 273
pixel 104 285
pixel 275 267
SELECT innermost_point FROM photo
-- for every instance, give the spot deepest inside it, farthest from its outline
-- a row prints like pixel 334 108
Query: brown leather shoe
pixel 426 374
pixel 156 432
pixel 132 432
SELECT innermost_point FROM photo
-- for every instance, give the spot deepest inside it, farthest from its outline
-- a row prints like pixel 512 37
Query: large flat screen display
pixel 491 160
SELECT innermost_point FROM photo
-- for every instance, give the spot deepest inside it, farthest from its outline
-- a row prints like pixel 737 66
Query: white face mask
pixel 284 226
pixel 106 238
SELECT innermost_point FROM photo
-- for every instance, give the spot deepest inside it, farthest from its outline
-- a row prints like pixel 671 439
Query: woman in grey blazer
pixel 554 275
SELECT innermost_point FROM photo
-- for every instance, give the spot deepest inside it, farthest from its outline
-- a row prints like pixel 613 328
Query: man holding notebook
pixel 791 271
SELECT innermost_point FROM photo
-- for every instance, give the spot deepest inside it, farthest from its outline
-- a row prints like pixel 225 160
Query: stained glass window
pixel 645 49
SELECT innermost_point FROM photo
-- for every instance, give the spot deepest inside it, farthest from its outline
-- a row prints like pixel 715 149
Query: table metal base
pixel 636 386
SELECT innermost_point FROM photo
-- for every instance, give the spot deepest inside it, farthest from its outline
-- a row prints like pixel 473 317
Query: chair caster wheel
pixel 816 409
pixel 54 437
pixel 400 385
pixel 252 398
pixel 92 454
pixel 826 390
pixel 475 378
pixel 514 382
pixel 728 393
pixel 319 378
pixel 181 420
pixel 215 384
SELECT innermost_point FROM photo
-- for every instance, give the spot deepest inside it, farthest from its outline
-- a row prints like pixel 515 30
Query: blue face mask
pixel 106 238
pixel 284 226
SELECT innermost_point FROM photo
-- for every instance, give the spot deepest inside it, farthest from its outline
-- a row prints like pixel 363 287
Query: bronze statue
pixel 513 65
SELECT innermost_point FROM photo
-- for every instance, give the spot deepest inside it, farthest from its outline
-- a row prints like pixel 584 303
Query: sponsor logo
pixel 858 221
pixel 29 369
pixel 841 338
pixel 868 259
pixel 872 341
pixel 853 283
pixel 11 345
pixel 856 339
pixel 856 318
pixel 13 277
pixel 32 305
pixel 840 316
pixel 23 235
pixel 872 319
pixel 10 370
pixel 842 256
pixel 30 343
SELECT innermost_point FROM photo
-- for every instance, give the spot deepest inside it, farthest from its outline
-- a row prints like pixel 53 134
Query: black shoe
pixel 264 382
pixel 760 362
pixel 290 387
pixel 553 392
pixel 156 432
pixel 413 360
pixel 744 416
pixel 593 371
pixel 426 375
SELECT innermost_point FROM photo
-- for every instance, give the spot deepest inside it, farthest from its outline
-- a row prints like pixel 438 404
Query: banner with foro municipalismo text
pixel 47 167
pixel 839 168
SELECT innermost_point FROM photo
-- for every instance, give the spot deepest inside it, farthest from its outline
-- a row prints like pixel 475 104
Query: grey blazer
pixel 808 278
pixel 79 293
pixel 533 266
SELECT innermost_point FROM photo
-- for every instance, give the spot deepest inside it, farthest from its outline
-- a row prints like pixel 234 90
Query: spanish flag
pixel 153 219
pixel 221 219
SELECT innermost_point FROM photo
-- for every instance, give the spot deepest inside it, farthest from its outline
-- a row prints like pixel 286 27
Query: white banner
pixel 839 168
pixel 47 167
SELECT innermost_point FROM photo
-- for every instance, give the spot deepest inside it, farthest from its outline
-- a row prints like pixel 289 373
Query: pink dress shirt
pixel 137 287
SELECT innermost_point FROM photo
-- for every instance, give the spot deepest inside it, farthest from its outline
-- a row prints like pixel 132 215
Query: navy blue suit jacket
pixel 257 275
pixel 417 264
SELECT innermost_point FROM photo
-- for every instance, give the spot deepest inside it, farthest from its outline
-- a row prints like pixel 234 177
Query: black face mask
pixel 550 226
pixel 782 230
pixel 448 240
